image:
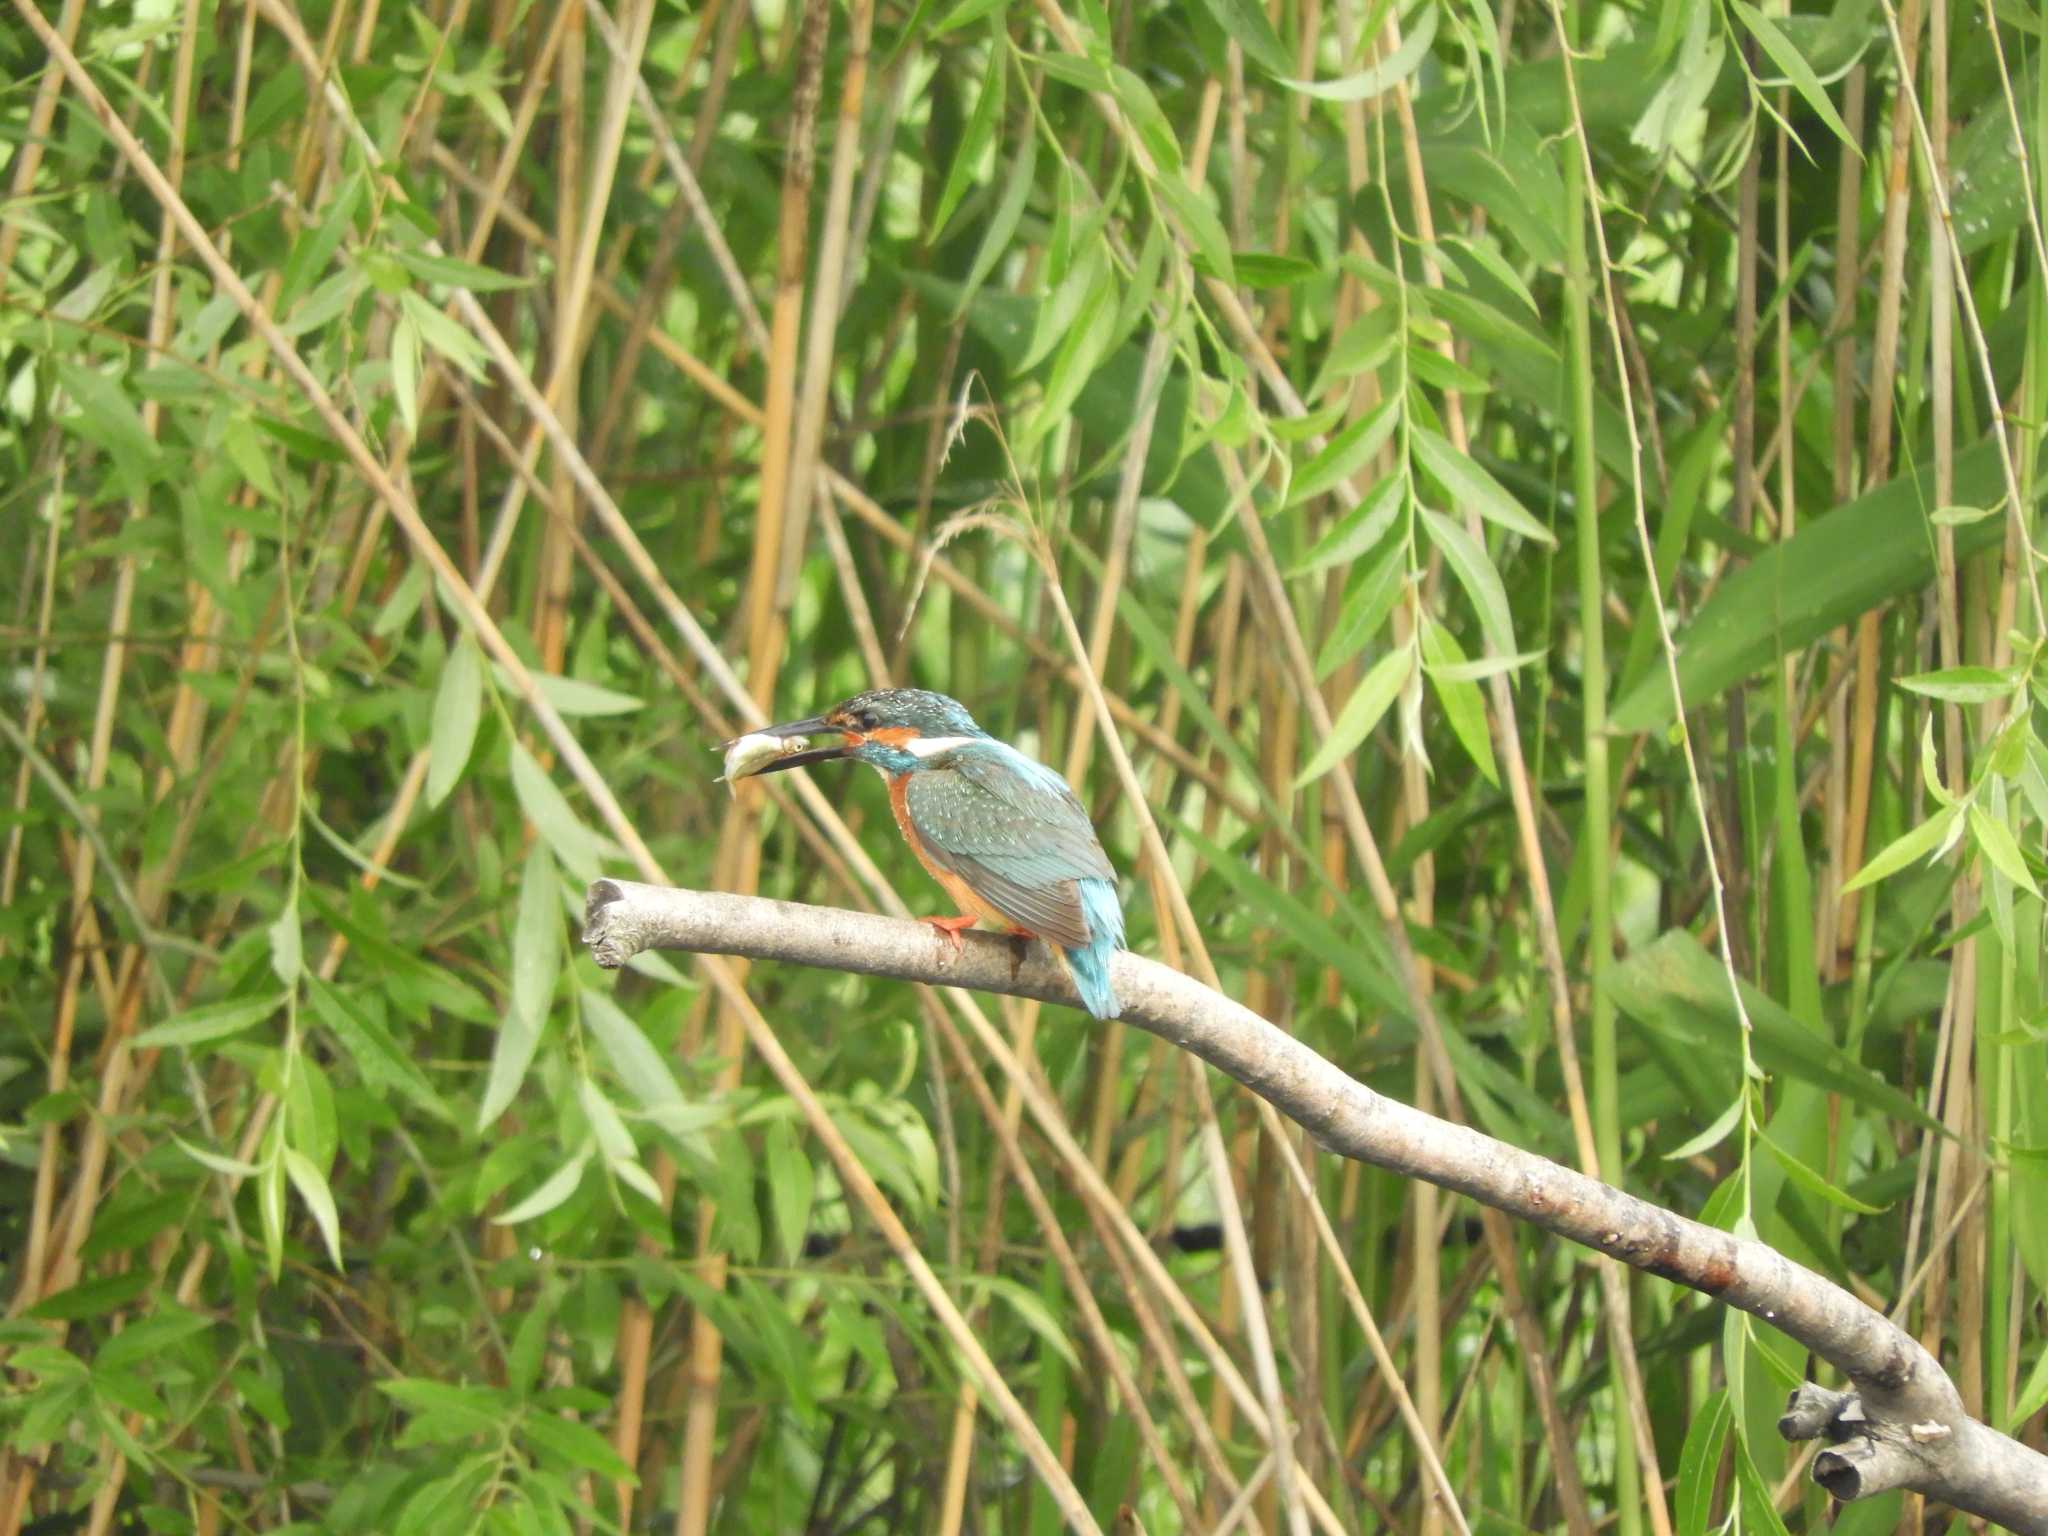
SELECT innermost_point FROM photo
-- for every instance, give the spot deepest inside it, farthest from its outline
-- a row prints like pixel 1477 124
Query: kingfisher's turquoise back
pixel 1015 833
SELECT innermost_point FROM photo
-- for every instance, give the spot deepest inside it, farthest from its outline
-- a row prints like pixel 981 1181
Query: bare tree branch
pixel 1903 1425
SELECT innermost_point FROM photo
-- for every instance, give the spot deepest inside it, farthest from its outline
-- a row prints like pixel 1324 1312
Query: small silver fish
pixel 747 755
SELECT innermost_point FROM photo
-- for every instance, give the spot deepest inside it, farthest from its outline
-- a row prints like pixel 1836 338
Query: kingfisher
pixel 1002 833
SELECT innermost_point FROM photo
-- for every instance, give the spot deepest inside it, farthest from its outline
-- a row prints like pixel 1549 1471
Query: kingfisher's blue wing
pixel 1012 829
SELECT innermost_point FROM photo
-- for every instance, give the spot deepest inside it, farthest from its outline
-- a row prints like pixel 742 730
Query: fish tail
pixel 1089 964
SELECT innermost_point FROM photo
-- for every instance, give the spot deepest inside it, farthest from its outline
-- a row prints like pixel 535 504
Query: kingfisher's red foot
pixel 951 927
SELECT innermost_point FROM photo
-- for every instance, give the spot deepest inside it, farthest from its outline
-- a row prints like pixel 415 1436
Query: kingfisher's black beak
pixel 796 730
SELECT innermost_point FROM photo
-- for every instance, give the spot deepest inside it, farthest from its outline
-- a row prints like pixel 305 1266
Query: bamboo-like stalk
pixel 1877 453
pixel 1630 1486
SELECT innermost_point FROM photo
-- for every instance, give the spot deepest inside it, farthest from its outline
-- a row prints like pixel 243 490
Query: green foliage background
pixel 339 1192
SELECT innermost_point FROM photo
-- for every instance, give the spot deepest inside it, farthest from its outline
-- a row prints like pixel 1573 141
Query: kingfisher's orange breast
pixel 963 894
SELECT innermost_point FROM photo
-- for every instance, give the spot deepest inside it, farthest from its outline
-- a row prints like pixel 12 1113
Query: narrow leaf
pixel 639 1065
pixel 405 373
pixel 1476 575
pixel 1786 55
pixel 536 957
pixel 1387 73
pixel 1699 1466
pixel 458 706
pixel 219 1162
pixel 1469 485
pixel 1711 1136
pixel 1371 699
pixel 1904 850
pixel 790 1187
pixel 1964 685
pixel 1345 454
pixel 557 1187
pixel 1244 21
pixel 1463 706
pixel 580 849
pixel 311 1184
pixel 1996 839
pixel 981 127
pixel 212 1022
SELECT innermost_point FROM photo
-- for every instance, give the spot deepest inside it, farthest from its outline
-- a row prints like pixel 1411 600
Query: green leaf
pixel 1476 575
pixel 1264 269
pixel 1960 517
pixel 1199 225
pixel 211 1022
pixel 1002 224
pixel 1360 530
pixel 1699 1467
pixel 1368 600
pixel 1810 1180
pixel 1798 72
pixel 1712 1136
pixel 1463 706
pixel 613 1139
pixel 1383 76
pixel 455 1412
pixel 1759 1508
pixel 1996 839
pixel 246 449
pixel 370 1045
pixel 981 128
pixel 571 695
pixel 1471 486
pixel 287 953
pixel 219 1162
pixel 554 1189
pixel 95 1298
pixel 580 850
pixel 1964 685
pixel 311 1184
pixel 106 414
pixel 536 959
pixel 405 372
pixel 451 272
pixel 1676 988
pixel 1359 348
pixel 453 343
pixel 1244 23
pixel 1032 1311
pixel 1906 848
pixel 168 1325
pixel 1345 454
pixel 458 706
pixel 576 1444
pixel 1080 352
pixel 2033 1396
pixel 1371 699
pixel 790 1187
pixel 270 1203
pixel 639 1065
pixel 1836 567
pixel 1147 121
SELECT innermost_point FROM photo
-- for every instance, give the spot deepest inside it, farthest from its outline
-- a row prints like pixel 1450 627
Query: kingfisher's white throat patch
pixel 933 746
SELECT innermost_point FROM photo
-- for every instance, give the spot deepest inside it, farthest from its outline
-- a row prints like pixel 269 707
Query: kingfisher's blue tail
pixel 1089 965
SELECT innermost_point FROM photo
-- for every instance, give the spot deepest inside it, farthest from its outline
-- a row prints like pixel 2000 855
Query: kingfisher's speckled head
pixel 894 729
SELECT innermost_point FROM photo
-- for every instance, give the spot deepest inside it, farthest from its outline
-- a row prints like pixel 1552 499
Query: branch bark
pixel 1902 1426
